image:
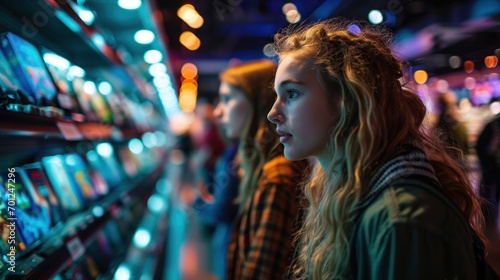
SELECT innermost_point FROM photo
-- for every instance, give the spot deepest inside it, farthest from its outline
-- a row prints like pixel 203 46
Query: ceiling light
pixel 135 146
pixel 375 17
pixel 144 36
pixel 76 71
pixel 491 61
pixel 293 16
pixel 105 149
pixel 157 69
pixel 468 66
pixel 89 87
pixel 86 15
pixel 153 56
pixel 189 71
pixel 57 61
pixel 420 77
pixel 189 15
pixel 288 7
pixel 129 4
pixel 162 81
pixel 455 61
pixel 105 88
pixel 189 40
pixel 269 50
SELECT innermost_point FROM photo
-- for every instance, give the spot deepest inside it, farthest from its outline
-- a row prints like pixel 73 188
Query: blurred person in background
pixel 208 147
pixel 488 152
pixel 450 126
pixel 269 191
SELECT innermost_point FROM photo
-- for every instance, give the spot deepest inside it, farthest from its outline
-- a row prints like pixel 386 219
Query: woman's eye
pixel 292 94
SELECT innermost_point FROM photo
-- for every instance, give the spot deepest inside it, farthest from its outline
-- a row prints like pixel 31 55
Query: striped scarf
pixel 409 161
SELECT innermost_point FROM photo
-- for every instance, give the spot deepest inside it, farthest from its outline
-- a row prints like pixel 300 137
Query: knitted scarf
pixel 409 161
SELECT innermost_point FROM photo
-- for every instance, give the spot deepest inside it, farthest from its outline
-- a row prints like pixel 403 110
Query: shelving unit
pixel 28 136
pixel 68 243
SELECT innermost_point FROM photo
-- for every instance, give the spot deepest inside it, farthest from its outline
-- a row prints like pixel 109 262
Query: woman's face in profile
pixel 301 112
pixel 232 111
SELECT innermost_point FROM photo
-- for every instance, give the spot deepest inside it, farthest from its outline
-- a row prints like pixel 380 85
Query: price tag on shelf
pixel 75 247
pixel 69 130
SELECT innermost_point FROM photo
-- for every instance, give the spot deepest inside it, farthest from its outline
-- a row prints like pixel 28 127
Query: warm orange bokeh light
pixel 491 61
pixel 420 76
pixel 468 66
pixel 189 71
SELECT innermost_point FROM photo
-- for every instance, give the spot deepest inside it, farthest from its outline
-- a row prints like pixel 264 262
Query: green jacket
pixel 406 218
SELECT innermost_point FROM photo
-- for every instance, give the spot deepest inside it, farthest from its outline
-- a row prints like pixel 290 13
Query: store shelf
pixel 55 25
pixel 24 124
pixel 54 254
pixel 32 133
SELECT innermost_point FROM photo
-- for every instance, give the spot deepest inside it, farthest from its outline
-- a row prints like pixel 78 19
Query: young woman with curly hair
pixel 385 200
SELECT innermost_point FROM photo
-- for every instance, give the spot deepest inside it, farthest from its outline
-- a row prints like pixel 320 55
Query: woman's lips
pixel 284 136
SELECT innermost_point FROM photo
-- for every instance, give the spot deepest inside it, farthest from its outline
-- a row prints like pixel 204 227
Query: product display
pixel 75 174
pixel 29 68
pixel 68 193
pixel 30 219
pixel 58 68
pixel 80 177
pixel 9 85
pixel 43 194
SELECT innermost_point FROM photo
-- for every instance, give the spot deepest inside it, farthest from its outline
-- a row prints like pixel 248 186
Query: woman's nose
pixel 274 114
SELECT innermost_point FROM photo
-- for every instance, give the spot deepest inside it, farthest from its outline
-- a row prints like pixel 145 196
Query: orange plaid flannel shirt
pixel 261 242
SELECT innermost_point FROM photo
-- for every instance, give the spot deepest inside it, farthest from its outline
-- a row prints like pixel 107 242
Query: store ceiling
pixel 430 31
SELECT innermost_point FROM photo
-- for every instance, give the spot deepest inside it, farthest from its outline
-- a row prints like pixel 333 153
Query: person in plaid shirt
pixel 269 192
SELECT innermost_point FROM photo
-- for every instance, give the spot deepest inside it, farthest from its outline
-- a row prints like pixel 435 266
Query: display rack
pixel 68 243
pixel 28 136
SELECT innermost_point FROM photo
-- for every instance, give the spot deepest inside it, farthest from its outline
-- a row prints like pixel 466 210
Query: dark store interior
pixel 94 116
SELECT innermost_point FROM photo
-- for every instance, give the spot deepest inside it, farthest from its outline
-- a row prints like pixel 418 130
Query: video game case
pixel 79 176
pixel 107 165
pixel 11 243
pixel 58 68
pixel 8 82
pixel 21 209
pixel 43 193
pixel 28 67
pixel 98 181
pixel 69 195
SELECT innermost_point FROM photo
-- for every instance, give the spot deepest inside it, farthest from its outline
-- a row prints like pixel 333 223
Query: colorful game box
pixel 84 99
pixel 100 106
pixel 28 217
pixel 58 68
pixel 11 244
pixel 98 181
pixel 28 67
pixel 129 161
pixel 79 175
pixel 8 81
pixel 69 195
pixel 107 165
pixel 43 194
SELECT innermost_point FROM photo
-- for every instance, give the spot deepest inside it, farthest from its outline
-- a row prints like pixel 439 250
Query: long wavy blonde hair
pixel 259 141
pixel 377 114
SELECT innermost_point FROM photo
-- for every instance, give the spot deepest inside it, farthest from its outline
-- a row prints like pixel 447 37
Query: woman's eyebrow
pixel 287 82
